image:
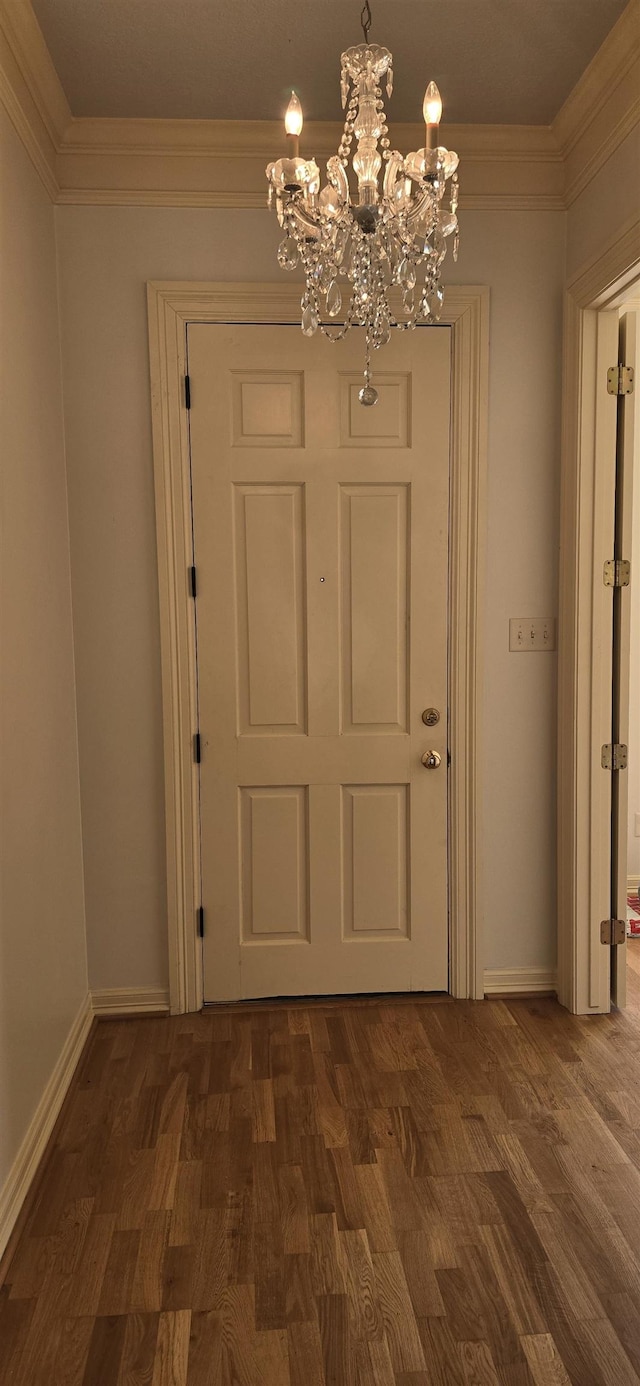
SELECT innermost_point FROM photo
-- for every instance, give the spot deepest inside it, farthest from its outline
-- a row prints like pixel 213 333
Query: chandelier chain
pixel 365 20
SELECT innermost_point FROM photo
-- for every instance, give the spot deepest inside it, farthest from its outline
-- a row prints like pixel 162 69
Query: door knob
pixel 431 760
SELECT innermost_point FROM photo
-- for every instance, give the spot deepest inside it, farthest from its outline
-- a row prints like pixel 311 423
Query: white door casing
pixel 171 307
pixel 321 550
pixel 626 448
pixel 584 697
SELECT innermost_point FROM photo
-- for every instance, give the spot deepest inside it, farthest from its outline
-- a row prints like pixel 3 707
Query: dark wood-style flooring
pixel 389 1194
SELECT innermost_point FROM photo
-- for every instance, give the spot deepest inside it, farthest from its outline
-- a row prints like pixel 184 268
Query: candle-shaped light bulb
pixel 432 105
pixel 432 111
pixel 293 116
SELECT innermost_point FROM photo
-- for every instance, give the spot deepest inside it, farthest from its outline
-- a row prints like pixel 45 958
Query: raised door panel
pixel 374 584
pixel 270 605
pixel 273 863
pixel 387 424
pixel 375 863
pixel 267 409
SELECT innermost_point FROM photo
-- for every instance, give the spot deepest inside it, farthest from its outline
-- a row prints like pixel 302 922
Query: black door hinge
pixel 192 580
pixel 200 916
pixel 187 392
pixel 197 748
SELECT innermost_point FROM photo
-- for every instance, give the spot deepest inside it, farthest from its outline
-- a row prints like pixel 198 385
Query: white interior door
pixel 321 549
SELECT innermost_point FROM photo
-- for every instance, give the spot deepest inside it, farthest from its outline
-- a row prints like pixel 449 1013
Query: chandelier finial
pixel 388 241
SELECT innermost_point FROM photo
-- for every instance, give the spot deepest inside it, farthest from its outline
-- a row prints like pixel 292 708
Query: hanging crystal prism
pixel 287 254
pixel 334 300
pixel 309 322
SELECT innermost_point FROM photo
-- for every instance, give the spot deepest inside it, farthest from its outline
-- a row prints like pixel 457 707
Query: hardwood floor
pixel 392 1194
pixel 633 973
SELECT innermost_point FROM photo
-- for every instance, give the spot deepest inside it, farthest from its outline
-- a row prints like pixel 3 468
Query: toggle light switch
pixel 532 633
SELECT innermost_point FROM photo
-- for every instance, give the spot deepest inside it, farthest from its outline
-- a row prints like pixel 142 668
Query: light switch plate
pixel 532 633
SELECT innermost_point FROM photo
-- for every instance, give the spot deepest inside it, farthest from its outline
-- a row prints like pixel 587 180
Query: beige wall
pixel 606 207
pixel 43 971
pixel 105 257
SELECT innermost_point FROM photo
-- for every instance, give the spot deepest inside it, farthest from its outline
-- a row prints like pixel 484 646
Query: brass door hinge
pixel 614 756
pixel 617 572
pixel 620 380
pixel 613 931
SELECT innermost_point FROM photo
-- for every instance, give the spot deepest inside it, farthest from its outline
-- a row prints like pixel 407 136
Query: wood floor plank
pixel 211 1271
pixel 333 1317
pixel 395 1193
pixel 294 1211
pixel 117 1283
pixel 305 1354
pixel 172 1349
pixel 478 1366
pixel 547 1368
pixel 400 1325
pixel 608 1353
pixel 300 1303
pixel 420 1275
pixel 365 1314
pixel 326 1267
pixel 205 1348
pixel 147 1288
pixel 138 1350
pixel 105 1351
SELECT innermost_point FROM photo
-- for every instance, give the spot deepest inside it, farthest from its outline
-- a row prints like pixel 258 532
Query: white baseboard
pixel 633 883
pixel 130 1000
pixel 501 980
pixel 25 1165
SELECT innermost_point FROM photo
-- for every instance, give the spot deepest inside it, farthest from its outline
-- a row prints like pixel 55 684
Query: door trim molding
pixel 171 306
pixel 583 881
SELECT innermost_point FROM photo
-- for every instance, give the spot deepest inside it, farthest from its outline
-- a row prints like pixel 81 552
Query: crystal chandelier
pixel 388 243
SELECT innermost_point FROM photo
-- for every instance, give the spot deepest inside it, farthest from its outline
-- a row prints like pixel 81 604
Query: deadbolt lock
pixel 431 716
pixel 431 760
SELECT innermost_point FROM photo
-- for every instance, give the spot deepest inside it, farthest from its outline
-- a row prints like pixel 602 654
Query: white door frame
pixel 584 696
pixel 171 306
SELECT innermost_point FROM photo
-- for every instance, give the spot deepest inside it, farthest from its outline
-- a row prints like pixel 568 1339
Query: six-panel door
pixel 320 540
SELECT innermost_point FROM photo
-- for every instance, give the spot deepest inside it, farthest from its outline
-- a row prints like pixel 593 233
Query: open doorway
pixel 630 319
pixel 616 611
pixel 594 671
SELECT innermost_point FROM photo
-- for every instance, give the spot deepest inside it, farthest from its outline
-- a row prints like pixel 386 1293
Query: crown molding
pixel 262 138
pixel 607 67
pixel 252 201
pixel 603 280
pixel 23 35
pixel 604 106
pixel 220 163
pixel 20 96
